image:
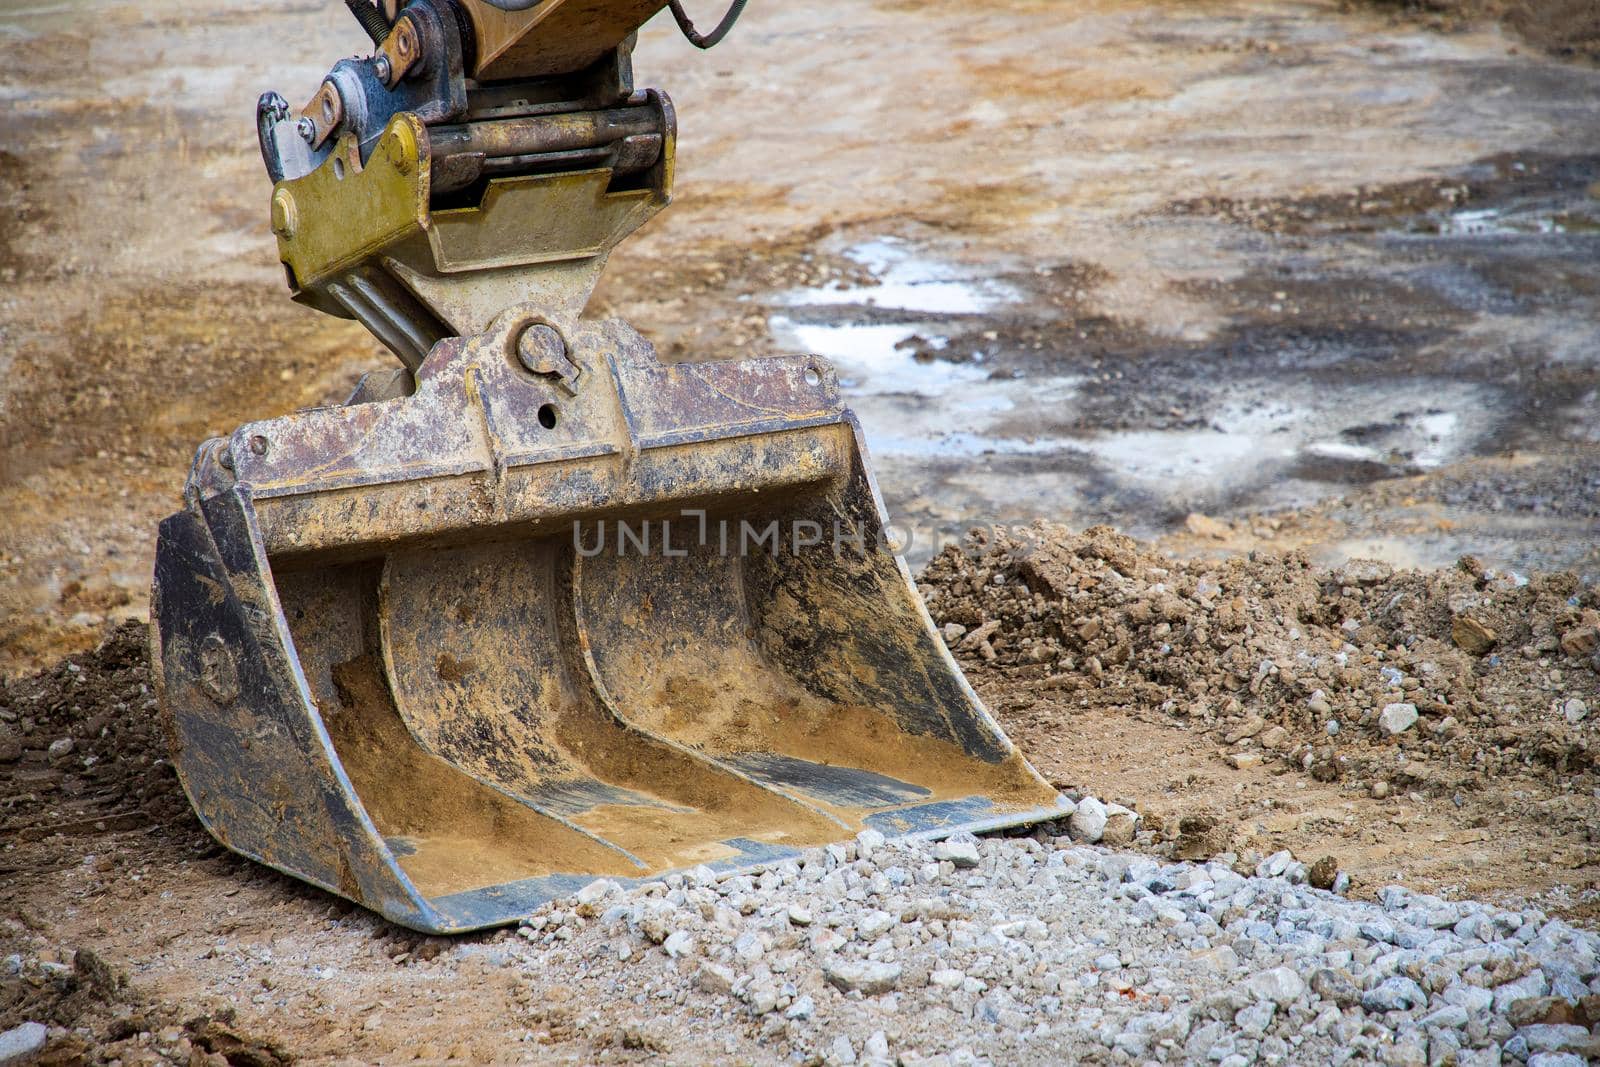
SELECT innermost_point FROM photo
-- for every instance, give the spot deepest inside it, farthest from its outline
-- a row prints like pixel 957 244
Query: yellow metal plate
pixel 341 213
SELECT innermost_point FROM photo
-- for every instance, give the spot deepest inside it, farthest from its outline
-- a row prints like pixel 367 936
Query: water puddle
pixel 957 443
pixel 1421 442
pixel 907 282
pixel 1288 450
pixel 876 359
pixel 1500 222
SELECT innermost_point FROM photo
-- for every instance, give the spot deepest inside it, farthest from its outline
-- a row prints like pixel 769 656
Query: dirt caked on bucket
pixel 455 654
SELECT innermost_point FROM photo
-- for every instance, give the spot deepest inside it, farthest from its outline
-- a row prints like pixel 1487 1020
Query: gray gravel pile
pixel 1041 950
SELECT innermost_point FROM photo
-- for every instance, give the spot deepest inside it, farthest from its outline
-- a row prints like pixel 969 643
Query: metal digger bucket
pixel 455 654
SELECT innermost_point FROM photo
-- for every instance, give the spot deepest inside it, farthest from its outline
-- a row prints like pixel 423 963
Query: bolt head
pixel 380 67
pixel 285 218
pixel 307 129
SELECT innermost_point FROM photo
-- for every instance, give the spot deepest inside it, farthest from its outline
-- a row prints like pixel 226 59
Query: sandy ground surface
pixel 1234 276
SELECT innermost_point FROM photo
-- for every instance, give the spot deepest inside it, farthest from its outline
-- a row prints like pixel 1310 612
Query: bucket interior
pixel 623 702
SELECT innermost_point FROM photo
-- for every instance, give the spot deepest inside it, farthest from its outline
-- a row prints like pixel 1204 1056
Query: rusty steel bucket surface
pixel 455 654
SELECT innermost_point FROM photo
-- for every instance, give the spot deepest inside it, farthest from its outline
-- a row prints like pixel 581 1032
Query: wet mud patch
pixel 1508 192
pixel 732 281
pixel 983 397
pixel 1566 28
pixel 1385 334
pixel 1560 488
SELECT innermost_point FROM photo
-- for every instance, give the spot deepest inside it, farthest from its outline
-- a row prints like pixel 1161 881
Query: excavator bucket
pixel 537 609
pixel 455 654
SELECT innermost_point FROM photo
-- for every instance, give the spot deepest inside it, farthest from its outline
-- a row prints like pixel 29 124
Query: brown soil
pixel 1205 689
pixel 175 364
pixel 87 783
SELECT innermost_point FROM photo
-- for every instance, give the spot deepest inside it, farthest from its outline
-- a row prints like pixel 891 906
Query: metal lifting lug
pixel 543 351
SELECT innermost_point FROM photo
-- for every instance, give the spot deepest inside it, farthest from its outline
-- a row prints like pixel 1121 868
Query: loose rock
pixel 1397 718
pixel 1088 823
pixel 868 978
pixel 1281 985
pixel 1394 994
pixel 1472 636
pixel 20 1044
pixel 1121 825
pixel 960 850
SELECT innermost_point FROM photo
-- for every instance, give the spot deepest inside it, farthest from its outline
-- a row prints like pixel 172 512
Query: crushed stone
pixel 1049 951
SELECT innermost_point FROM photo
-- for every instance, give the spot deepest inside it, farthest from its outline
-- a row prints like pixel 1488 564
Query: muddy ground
pixel 1241 277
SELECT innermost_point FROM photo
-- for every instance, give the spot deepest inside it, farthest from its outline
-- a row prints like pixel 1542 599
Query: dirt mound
pixel 1437 681
pixel 85 778
pixel 82 747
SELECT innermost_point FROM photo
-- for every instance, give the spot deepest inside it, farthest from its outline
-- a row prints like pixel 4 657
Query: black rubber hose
pixel 708 40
